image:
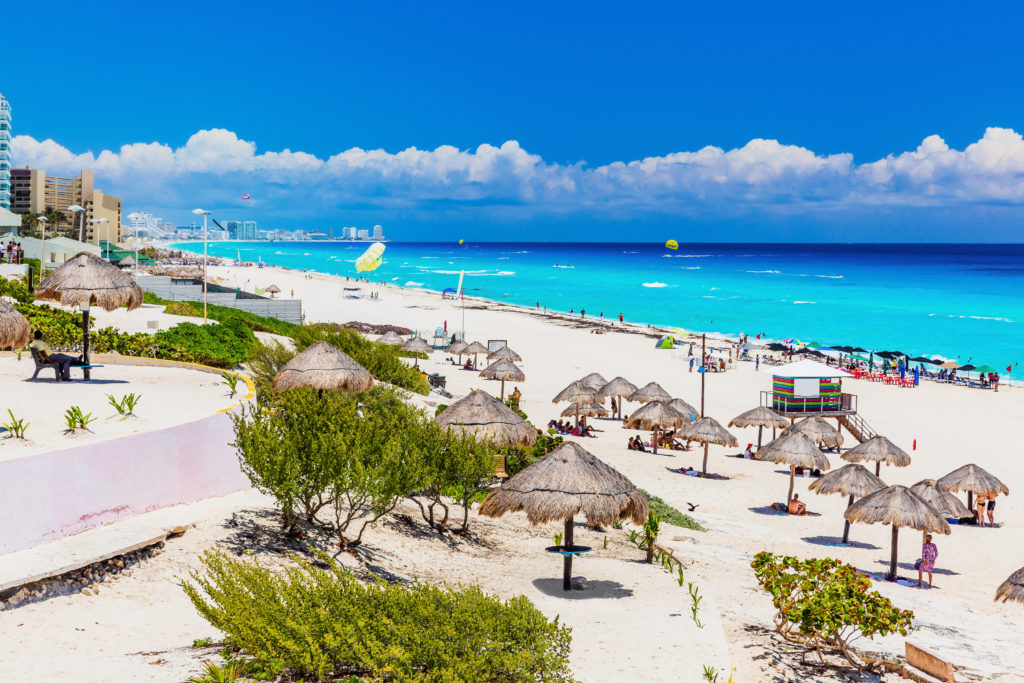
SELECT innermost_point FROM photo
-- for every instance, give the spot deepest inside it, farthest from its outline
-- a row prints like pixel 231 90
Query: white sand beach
pixel 637 625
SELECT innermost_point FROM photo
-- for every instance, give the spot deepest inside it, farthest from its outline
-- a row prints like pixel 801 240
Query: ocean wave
pixel 831 277
pixel 410 283
pixel 689 267
pixel 506 272
pixel 393 279
pixel 631 252
pixel 456 272
pixel 503 258
pixel 805 302
pixel 977 317
pixel 653 284
pixel 764 271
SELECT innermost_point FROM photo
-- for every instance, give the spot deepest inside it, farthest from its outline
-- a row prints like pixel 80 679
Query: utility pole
pixel 703 369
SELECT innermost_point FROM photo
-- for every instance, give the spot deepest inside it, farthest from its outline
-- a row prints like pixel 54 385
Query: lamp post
pixel 42 247
pixel 135 224
pixel 75 208
pixel 99 220
pixel 204 213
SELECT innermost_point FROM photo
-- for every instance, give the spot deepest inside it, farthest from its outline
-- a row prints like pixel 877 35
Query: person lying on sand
pixel 796 507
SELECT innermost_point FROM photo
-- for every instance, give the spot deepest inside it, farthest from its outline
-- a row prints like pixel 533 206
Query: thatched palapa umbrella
pixel 14 327
pixel 973 479
pixel 759 417
pixel 877 449
pixel 476 348
pixel 707 431
pixel 391 338
pixel 578 393
pixel 488 419
pixel 941 500
pixel 819 431
pixel 272 290
pixel 585 410
pixel 504 353
pixel 417 345
pixel 618 387
pixel 566 482
pixel 851 480
pixel 656 415
pixel 503 370
pixel 321 366
pixel 457 347
pixel 685 408
pixel 897 506
pixel 84 280
pixel 595 381
pixel 651 391
pixel 1012 588
pixel 795 449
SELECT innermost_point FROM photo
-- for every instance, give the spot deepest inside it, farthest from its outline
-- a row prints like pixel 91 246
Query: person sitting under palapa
pixel 796 506
pixel 46 355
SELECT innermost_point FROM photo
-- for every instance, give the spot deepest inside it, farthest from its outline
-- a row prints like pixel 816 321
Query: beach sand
pixel 650 635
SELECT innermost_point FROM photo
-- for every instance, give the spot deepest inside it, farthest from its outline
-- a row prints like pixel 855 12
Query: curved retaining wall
pixel 50 495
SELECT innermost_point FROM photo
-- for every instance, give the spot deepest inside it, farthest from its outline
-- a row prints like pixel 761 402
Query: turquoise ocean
pixel 961 302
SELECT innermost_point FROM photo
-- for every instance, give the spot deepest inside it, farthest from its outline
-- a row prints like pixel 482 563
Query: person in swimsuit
pixel 991 507
pixel 796 506
pixel 928 554
pixel 980 509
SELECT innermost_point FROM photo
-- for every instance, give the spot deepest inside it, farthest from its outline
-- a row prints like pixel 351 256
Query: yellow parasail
pixel 672 244
pixel 371 258
pixel 460 241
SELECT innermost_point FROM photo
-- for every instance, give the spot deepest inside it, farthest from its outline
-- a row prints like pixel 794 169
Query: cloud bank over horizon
pixel 214 167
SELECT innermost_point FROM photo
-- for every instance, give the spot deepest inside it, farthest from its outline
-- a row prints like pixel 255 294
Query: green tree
pixel 55 220
pixel 30 224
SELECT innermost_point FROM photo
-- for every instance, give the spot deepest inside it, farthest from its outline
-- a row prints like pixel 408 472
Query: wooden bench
pixel 42 365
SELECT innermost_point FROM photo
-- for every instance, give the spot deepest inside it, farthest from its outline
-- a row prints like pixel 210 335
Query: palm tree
pixel 55 218
pixel 30 223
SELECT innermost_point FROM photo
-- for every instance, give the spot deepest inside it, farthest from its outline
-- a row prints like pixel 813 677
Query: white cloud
pixel 762 173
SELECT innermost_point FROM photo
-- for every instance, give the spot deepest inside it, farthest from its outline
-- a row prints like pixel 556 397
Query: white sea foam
pixel 805 302
pixel 506 272
pixel 831 277
pixel 393 279
pixel 763 271
pixel 631 252
pixel 410 283
pixel 654 284
pixel 689 267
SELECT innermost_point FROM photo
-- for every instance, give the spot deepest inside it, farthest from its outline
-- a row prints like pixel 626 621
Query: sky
pixel 601 121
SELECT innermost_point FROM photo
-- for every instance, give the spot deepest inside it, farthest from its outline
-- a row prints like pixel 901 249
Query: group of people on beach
pixel 582 429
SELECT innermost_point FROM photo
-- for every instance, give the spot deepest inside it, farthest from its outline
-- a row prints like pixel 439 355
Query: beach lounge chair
pixel 42 365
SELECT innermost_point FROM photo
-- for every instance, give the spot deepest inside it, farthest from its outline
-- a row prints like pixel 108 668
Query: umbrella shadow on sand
pixel 594 589
pixel 837 541
pixel 909 566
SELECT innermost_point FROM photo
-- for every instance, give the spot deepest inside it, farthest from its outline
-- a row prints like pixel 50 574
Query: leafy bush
pixel 265 362
pixel 182 308
pixel 16 289
pixel 383 361
pixel 518 459
pixel 311 451
pixel 825 604
pixel 322 625
pixel 254 322
pixel 226 344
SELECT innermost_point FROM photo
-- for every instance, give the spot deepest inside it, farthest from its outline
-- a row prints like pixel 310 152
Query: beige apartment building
pixel 32 191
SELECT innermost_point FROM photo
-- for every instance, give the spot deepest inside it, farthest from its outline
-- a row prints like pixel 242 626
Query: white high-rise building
pixel 249 231
pixel 378 233
pixel 5 153
pixel 363 234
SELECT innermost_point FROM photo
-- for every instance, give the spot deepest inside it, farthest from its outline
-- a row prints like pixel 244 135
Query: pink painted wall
pixel 44 497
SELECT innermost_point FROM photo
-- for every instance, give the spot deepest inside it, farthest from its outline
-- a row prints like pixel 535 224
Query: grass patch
pixel 670 515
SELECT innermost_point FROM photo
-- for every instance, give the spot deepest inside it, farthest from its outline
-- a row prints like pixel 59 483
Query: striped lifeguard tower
pixel 808 388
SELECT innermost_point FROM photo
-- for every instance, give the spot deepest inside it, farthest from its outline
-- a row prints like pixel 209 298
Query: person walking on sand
pixel 621 320
pixel 691 363
pixel 757 362
pixel 583 313
pixel 927 564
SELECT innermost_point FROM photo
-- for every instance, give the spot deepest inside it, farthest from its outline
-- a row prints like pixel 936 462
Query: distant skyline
pixel 588 121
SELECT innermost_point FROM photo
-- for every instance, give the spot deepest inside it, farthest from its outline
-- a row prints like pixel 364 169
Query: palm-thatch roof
pixel 877 449
pixel 1012 588
pixel 476 347
pixel 941 500
pixel 656 414
pixel 504 353
pixel 819 431
pixel 974 479
pixel 585 410
pixel 565 482
pixel 321 366
pixel 86 278
pixel 14 327
pixel 651 391
pixel 577 392
pixel 595 381
pixel 417 345
pixel 620 386
pixel 127 261
pixel 707 430
pixel 794 448
pixel 897 506
pixel 849 480
pixel 759 417
pixel 458 347
pixel 487 418
pixel 273 289
pixel 503 370
pixel 391 338
pixel 684 407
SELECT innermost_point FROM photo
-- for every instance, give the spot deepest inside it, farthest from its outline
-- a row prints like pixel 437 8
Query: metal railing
pixel 845 404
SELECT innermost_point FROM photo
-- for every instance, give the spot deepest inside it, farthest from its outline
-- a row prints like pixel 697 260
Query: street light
pixel 204 213
pixel 99 220
pixel 75 208
pixel 42 247
pixel 135 224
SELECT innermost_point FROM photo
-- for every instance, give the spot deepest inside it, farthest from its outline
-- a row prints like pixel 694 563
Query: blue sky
pixel 890 122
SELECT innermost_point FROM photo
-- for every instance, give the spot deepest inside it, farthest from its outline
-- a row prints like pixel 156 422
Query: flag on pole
pixel 458 291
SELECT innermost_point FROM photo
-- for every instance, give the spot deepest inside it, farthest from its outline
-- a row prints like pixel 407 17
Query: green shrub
pixel 223 345
pixel 17 289
pixel 221 313
pixel 325 625
pixel 182 308
pixel 518 459
pixel 825 604
pixel 312 451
